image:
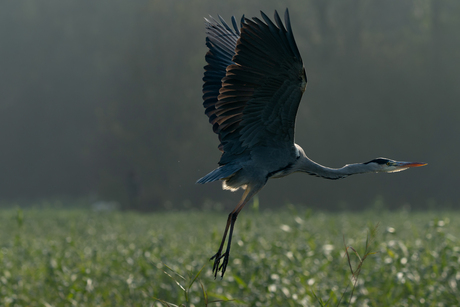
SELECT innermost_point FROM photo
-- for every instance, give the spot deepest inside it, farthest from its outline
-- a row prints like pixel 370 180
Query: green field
pixel 284 258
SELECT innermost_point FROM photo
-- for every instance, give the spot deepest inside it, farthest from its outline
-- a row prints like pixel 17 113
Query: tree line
pixel 104 98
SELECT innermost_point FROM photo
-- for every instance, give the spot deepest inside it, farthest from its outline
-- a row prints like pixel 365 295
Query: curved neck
pixel 310 167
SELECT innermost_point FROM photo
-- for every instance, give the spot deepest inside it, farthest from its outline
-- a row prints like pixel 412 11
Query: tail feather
pixel 221 172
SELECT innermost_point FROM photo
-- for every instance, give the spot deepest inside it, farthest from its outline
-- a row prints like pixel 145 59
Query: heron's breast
pixel 284 171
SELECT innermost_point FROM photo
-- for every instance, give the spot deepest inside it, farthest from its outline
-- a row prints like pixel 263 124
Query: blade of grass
pixel 196 276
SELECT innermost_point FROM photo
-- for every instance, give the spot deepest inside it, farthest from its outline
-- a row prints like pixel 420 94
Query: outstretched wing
pixel 261 91
pixel 221 41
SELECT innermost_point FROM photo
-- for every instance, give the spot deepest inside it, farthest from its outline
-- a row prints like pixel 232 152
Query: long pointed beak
pixel 410 164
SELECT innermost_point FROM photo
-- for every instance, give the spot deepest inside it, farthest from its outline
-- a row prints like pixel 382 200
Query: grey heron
pixel 253 84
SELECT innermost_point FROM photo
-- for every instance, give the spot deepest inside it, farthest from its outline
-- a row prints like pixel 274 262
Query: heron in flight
pixel 253 84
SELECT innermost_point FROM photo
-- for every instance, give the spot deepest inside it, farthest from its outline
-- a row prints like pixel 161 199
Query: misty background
pixel 102 100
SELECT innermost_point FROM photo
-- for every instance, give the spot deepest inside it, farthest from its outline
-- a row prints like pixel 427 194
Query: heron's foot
pixel 217 265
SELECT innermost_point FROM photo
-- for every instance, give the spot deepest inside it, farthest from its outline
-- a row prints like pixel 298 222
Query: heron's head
pixel 385 165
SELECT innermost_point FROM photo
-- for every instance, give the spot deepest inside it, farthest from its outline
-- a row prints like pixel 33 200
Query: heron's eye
pixel 388 163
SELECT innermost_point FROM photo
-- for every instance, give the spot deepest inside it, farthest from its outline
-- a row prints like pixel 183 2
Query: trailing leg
pixel 217 266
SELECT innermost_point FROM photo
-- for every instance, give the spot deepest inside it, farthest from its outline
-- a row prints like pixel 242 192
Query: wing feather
pixel 260 84
pixel 221 41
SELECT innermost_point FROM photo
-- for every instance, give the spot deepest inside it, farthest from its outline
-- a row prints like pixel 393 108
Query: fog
pixel 102 100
